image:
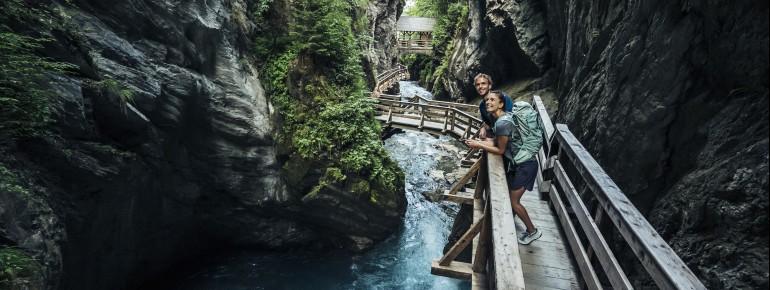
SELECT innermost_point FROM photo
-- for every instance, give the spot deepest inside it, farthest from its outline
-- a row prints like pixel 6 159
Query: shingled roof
pixel 419 24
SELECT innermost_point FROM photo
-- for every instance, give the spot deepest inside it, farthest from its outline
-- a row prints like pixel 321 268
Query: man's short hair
pixel 482 75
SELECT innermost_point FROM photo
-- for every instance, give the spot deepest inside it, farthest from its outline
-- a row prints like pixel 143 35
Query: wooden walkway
pixel 573 252
pixel 547 263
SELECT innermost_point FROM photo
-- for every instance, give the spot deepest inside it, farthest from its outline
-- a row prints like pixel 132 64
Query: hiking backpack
pixel 527 136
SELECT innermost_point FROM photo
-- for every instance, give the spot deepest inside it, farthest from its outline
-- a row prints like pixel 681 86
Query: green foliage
pixel 24 98
pixel 8 182
pixel 331 119
pixel 17 268
pixel 115 151
pixel 323 32
pixel 113 88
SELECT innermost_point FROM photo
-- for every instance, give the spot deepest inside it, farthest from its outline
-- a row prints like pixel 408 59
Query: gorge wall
pixel 671 97
pixel 124 187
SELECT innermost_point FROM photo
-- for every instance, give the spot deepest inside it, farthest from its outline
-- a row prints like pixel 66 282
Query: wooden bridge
pixel 389 78
pixel 574 203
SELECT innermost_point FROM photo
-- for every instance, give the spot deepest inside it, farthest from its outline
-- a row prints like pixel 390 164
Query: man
pixel 483 84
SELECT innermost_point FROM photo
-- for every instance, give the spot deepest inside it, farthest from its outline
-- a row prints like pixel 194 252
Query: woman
pixel 520 177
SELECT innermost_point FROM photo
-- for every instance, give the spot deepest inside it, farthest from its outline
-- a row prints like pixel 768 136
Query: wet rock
pixel 188 162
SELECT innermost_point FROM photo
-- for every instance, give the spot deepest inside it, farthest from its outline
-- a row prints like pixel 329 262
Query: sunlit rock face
pixel 163 147
pixel 383 16
pixel 671 99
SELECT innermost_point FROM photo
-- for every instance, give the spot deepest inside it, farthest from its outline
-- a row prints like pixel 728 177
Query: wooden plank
pixel 583 262
pixel 457 270
pixel 462 243
pixel 482 249
pixel 545 119
pixel 479 281
pixel 481 181
pixel 548 272
pixel 603 252
pixel 547 251
pixel 507 263
pixel 478 213
pixel 459 197
pixel 663 264
pixel 558 262
pixel 543 283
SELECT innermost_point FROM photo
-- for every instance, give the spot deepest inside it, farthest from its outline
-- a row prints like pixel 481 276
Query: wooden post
pixel 482 250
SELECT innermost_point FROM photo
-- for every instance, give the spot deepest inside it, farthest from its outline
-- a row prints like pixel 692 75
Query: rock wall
pixel 383 49
pixel 683 89
pixel 670 97
pixel 492 44
pixel 164 146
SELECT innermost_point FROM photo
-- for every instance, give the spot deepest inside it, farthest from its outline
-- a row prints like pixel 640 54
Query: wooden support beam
pixel 481 181
pixel 482 250
pixel 422 121
pixel 457 270
pixel 467 177
pixel 462 243
pixel 479 281
pixel 446 121
pixel 459 197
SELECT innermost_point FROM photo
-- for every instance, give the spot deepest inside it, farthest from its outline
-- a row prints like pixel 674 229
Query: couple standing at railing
pixel 516 134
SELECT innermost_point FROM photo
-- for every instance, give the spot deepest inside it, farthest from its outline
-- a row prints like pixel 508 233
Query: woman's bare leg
pixel 519 209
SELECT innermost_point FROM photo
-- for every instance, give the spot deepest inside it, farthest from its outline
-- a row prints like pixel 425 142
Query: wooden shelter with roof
pixel 415 34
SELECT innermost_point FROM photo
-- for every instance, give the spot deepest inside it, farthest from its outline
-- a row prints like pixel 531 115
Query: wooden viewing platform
pixel 415 34
pixel 573 252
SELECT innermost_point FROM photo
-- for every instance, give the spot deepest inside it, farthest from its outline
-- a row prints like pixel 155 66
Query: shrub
pixel 24 96
pixel 17 269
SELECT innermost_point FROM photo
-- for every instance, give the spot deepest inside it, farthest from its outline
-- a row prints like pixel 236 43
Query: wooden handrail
pixel 427 106
pixel 385 79
pixel 664 266
pixel 445 104
pixel 508 272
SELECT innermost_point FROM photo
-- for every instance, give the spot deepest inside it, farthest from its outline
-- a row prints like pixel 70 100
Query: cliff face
pixel 383 50
pixel 492 44
pixel 671 99
pixel 125 186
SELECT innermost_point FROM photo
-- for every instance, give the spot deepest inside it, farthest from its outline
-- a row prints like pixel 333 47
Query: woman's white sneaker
pixel 527 237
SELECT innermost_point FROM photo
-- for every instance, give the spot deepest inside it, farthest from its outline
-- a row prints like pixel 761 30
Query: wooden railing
pixel 414 44
pixel 569 161
pixel 426 117
pixel 388 78
pixel 468 108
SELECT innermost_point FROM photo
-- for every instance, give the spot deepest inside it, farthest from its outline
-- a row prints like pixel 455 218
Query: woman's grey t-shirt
pixel 505 128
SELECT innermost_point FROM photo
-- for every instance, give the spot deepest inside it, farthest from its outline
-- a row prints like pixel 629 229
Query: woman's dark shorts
pixel 522 175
